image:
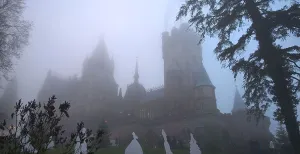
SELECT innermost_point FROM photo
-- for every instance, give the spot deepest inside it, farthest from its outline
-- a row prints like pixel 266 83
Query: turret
pixel 49 73
pixel 98 74
pixel 136 73
pixel 165 39
pixel 204 93
pixel 238 104
pixel 120 94
pixel 182 58
pixel 112 64
pixel 99 62
pixel 135 92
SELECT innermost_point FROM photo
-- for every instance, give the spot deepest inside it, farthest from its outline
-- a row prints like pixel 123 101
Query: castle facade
pixel 186 103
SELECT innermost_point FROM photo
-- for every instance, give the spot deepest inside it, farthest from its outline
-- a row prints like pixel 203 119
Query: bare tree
pixel 14 33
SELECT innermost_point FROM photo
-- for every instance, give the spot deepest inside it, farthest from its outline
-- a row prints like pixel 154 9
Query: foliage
pixel 282 142
pixel 35 124
pixel 271 73
pixel 151 139
pixel 106 134
pixel 9 95
pixel 14 33
pixel 211 140
pixel 281 135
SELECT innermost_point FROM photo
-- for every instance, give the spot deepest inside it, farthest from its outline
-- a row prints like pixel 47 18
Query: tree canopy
pixel 14 34
pixel 282 142
pixel 271 72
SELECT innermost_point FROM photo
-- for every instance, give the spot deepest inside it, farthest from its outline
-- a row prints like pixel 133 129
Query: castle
pixel 186 102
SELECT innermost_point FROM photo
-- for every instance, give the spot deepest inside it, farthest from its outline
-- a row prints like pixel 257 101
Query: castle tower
pixel 120 94
pixel 135 92
pixel 182 59
pixel 99 63
pixel 238 104
pixel 185 75
pixel 136 73
pixel 98 75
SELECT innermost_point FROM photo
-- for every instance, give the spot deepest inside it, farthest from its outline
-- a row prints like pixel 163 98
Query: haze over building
pixel 185 102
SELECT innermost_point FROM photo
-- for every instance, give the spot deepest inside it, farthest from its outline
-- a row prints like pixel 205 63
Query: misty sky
pixel 67 31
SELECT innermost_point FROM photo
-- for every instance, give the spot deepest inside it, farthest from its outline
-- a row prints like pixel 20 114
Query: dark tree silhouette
pixel 9 96
pixel 106 134
pixel 14 33
pixel 271 73
pixel 37 124
pixel 151 138
pixel 282 141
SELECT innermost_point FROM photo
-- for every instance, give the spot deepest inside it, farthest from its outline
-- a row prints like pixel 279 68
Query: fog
pixel 65 32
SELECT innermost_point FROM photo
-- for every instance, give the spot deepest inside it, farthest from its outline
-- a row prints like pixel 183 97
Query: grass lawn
pixel 146 151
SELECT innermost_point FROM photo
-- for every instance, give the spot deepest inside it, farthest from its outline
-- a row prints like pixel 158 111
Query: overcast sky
pixel 67 31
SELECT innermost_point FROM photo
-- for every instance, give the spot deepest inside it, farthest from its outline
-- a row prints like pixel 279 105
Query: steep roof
pixel 101 50
pixel 203 78
pixel 135 91
pixel 99 63
pixel 238 103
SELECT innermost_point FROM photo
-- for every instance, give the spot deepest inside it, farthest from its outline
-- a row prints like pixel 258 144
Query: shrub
pixel 34 124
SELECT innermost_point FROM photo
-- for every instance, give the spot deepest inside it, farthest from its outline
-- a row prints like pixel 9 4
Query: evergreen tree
pixel 281 136
pixel 106 134
pixel 181 144
pixel 173 143
pixel 282 142
pixel 270 70
pixel 160 142
pixel 152 138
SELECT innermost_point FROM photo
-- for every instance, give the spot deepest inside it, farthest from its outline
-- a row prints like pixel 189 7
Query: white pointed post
pixel 194 148
pixel 28 147
pixel 166 144
pixel 84 145
pixel 134 147
pixel 51 143
pixel 81 148
pixel 77 149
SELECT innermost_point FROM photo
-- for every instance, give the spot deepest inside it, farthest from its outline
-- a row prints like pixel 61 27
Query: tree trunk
pixel 274 63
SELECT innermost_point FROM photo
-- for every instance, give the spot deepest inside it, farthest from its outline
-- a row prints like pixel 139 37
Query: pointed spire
pixel 101 49
pixel 49 72
pixel 136 74
pixel 120 93
pixel 238 103
pixel 112 62
pixel 203 79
